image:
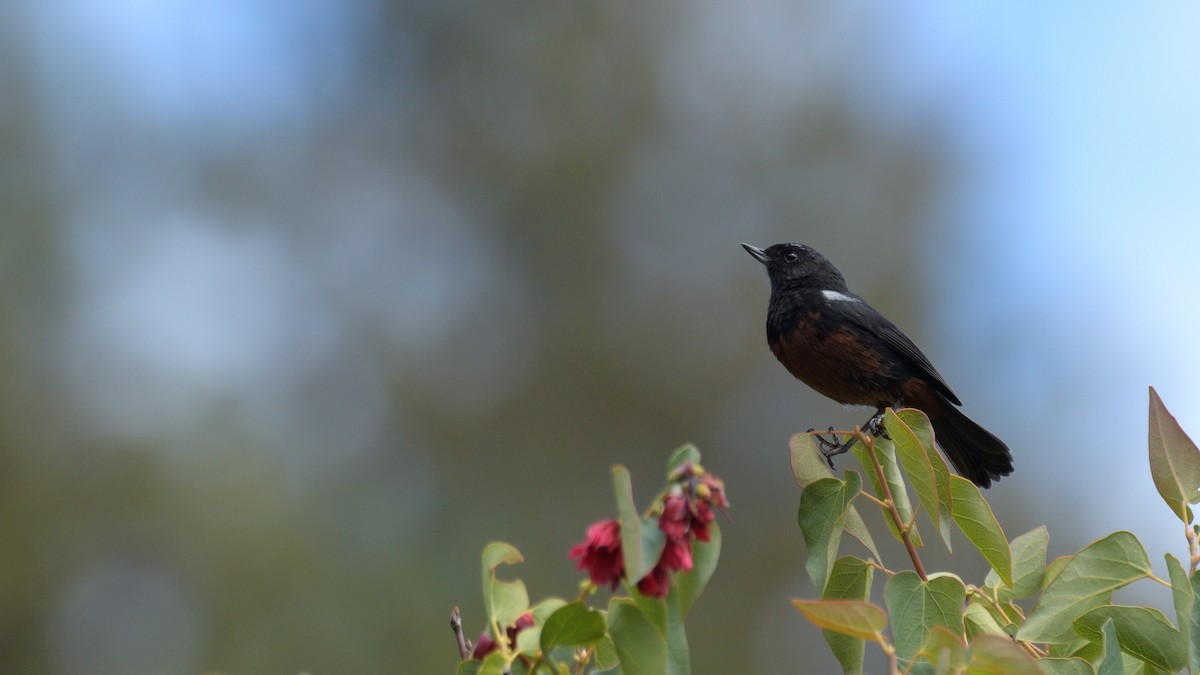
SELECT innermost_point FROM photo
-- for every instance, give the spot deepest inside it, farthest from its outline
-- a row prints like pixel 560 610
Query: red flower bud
pixel 483 646
pixel 486 644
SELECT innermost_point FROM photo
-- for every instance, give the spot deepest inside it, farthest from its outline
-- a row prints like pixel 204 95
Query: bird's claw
pixel 831 448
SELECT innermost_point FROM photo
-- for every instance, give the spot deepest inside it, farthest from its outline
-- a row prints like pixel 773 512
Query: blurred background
pixel 301 304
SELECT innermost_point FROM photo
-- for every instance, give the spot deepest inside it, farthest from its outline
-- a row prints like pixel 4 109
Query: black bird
pixel 836 343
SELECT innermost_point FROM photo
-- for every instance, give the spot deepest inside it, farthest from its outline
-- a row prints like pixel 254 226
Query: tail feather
pixel 974 451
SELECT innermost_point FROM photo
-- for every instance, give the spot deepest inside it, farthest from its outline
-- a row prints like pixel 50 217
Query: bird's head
pixel 798 265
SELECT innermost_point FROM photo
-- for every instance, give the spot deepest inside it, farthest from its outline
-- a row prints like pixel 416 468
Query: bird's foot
pixel 831 448
pixel 874 426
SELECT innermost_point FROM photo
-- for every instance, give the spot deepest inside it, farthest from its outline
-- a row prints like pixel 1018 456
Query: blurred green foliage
pixel 275 356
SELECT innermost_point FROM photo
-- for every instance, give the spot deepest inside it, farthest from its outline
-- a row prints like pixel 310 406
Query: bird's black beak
pixel 759 254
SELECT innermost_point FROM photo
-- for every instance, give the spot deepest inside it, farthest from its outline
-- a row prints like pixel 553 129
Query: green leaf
pixel 545 608
pixel 808 466
pixel 1065 666
pixel 1054 569
pixel 468 667
pixel 1086 582
pixel 691 584
pixel 1079 648
pixel 641 648
pixel 976 520
pixel 823 506
pixel 678 661
pixel 886 453
pixel 494 664
pixel 1000 655
pixel 1184 601
pixel 654 609
pixel 500 553
pixel 1029 562
pixel 850 579
pixel 1174 460
pixel 855 618
pixel 682 455
pixel 653 542
pixel 504 601
pixel 919 423
pixel 1142 632
pixel 978 620
pixel 641 541
pixel 916 458
pixel 528 641
pixel 1112 663
pixel 572 625
pixel 943 647
pixel 1029 565
pixel 606 654
pixel 915 606
pixel 1194 624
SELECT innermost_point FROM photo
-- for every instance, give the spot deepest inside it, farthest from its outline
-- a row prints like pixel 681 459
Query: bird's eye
pixel 791 256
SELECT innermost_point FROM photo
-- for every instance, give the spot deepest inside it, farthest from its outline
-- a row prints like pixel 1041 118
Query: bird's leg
pixel 874 426
pixel 832 448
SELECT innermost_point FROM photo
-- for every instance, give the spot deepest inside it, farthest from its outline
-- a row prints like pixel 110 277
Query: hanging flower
pixel 676 557
pixel 600 553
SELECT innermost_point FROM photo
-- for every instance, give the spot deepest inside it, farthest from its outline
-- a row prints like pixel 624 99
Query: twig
pixel 464 647
pixel 870 497
pixel 890 652
pixel 1153 577
pixel 869 442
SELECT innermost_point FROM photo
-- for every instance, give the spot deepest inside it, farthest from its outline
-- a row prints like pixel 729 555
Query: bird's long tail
pixel 975 453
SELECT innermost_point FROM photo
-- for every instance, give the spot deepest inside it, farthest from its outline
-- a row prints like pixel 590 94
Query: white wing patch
pixel 834 296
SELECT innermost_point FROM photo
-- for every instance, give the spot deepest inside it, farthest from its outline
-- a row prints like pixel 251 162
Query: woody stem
pixel 902 527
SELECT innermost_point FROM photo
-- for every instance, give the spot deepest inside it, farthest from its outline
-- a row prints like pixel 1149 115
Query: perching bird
pixel 836 343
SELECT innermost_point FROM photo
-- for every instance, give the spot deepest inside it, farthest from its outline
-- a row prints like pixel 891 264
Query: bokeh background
pixel 303 303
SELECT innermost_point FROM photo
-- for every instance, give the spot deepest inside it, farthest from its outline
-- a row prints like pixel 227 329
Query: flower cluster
pixel 685 513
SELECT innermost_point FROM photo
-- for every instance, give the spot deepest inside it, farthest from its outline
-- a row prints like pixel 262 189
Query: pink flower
pixel 656 584
pixel 675 519
pixel 600 553
pixel 701 519
pixel 683 516
pixel 676 557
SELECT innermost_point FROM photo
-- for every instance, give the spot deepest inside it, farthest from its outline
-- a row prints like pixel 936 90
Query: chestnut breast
pixel 838 360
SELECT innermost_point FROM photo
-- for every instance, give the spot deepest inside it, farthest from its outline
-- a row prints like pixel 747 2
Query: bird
pixel 839 345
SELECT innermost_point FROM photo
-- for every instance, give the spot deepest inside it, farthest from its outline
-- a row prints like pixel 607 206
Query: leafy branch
pixel 661 558
pixel 1027 616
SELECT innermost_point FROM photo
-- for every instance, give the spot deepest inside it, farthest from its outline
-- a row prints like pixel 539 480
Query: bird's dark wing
pixel 871 320
pixel 905 347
